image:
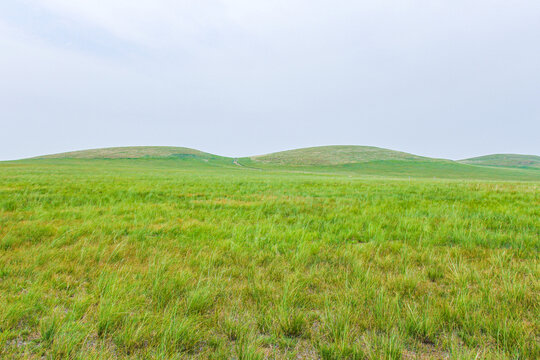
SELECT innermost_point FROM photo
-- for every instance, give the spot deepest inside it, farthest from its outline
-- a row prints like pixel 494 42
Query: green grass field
pixel 203 258
pixel 505 160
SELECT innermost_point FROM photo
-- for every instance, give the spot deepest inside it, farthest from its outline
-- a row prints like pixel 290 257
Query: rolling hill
pixel 374 161
pixel 334 155
pixel 340 159
pixel 133 152
pixel 505 160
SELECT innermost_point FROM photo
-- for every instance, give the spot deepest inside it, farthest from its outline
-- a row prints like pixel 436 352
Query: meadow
pixel 179 259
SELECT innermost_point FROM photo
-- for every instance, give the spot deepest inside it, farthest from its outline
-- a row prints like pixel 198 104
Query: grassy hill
pixel 133 152
pixel 349 160
pixel 505 160
pixel 334 155
pixel 374 161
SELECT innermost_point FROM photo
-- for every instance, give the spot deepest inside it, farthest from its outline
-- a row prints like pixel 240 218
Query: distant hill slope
pixel 344 160
pixel 133 152
pixel 334 155
pixel 505 160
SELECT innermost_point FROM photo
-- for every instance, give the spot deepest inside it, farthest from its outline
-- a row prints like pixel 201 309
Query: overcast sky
pixel 452 78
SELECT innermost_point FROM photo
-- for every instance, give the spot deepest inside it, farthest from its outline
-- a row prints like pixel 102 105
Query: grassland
pixel 505 160
pixel 399 169
pixel 185 258
pixel 133 152
pixel 334 155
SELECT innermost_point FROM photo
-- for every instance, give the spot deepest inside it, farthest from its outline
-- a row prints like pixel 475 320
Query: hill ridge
pixel 504 160
pixel 327 155
pixel 335 155
pixel 130 152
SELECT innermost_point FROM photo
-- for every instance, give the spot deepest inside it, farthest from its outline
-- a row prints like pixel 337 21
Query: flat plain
pixel 207 258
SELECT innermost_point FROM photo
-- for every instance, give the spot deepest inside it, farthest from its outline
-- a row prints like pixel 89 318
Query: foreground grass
pixel 142 259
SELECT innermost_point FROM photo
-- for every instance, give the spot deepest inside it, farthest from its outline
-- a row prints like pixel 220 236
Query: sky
pixel 450 79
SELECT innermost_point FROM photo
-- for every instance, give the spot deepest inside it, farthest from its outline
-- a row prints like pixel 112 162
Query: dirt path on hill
pixel 235 162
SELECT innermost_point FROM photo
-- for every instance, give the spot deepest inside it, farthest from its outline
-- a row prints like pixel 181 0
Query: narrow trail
pixel 235 162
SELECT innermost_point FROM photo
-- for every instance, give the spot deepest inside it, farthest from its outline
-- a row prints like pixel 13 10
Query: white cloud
pixel 301 72
pixel 158 22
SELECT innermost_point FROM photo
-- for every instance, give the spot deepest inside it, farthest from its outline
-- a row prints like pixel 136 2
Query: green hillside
pixel 334 155
pixel 133 152
pixel 506 160
pixel 373 161
pixel 350 160
pixel 427 169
